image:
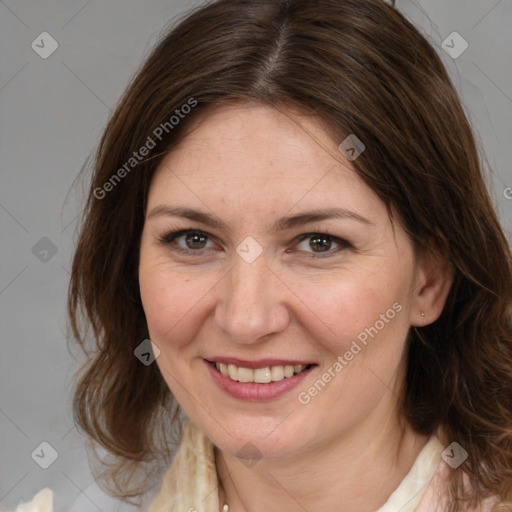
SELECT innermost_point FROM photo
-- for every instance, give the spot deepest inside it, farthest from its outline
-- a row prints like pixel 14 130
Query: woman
pixel 290 206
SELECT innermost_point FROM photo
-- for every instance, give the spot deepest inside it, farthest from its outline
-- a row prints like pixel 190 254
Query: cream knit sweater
pixel 190 483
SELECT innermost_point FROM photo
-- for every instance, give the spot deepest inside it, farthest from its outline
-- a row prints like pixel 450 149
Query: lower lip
pixel 253 392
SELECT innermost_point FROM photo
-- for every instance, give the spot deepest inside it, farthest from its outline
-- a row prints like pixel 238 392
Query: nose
pixel 251 302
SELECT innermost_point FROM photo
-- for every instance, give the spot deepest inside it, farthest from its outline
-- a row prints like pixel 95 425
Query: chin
pixel 254 438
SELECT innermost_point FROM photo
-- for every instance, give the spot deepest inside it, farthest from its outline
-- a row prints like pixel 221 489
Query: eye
pixel 195 242
pixel 321 244
pixel 192 241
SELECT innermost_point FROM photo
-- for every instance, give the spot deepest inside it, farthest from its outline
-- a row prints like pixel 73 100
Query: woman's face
pixel 270 277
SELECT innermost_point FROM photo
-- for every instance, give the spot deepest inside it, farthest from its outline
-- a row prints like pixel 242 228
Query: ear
pixel 434 278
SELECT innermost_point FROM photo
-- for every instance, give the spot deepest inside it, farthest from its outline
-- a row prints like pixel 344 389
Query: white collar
pixel 408 494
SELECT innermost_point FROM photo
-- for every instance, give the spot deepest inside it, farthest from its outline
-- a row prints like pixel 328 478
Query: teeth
pixel 233 371
pixel 277 373
pixel 245 375
pixel 262 375
pixel 224 369
pixel 259 375
pixel 289 371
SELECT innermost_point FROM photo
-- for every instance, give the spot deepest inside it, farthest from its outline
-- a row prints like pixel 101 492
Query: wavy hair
pixel 343 61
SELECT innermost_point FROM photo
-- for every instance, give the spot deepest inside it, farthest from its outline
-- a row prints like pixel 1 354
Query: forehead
pixel 258 159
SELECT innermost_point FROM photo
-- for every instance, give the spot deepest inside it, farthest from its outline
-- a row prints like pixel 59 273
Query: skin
pixel 250 165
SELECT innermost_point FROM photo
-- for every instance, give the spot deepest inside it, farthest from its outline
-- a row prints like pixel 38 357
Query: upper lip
pixel 259 363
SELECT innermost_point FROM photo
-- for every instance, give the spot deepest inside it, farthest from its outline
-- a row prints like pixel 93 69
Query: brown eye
pixel 195 240
pixel 186 241
pixel 318 243
pixel 321 242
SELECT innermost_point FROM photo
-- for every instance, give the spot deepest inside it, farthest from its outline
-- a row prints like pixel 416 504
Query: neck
pixel 359 470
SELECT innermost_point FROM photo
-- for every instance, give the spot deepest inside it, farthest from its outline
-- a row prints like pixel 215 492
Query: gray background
pixel 52 112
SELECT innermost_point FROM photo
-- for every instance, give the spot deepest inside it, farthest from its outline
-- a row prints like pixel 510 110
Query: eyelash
pixel 170 238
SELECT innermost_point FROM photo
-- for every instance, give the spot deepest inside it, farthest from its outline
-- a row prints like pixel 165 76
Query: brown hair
pixel 343 61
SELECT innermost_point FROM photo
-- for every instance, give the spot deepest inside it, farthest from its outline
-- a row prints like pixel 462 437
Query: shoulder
pixel 435 497
pixel 94 494
pixel 41 502
pixel 191 480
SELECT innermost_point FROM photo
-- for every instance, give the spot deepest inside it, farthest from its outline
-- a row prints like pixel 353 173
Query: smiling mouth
pixel 259 375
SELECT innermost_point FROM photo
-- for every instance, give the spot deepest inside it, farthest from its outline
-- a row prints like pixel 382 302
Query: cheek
pixel 360 324
pixel 169 302
pixel 344 309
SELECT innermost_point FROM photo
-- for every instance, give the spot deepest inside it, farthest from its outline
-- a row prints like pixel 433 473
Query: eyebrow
pixel 282 224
